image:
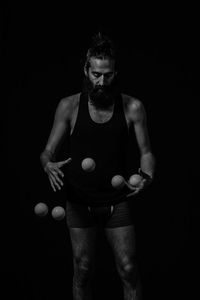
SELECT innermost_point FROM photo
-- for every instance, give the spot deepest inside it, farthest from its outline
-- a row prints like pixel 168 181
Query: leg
pixel 122 242
pixel 83 248
pixel 82 232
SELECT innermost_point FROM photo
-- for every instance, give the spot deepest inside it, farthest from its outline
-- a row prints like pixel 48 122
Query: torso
pixel 103 136
pixel 98 116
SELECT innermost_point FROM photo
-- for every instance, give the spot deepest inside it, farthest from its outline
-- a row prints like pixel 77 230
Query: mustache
pixel 107 89
pixel 101 89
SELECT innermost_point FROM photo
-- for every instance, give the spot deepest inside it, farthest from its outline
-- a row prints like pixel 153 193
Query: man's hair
pixel 101 47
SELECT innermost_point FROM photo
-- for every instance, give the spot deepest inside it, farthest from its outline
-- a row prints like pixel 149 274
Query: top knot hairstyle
pixel 101 47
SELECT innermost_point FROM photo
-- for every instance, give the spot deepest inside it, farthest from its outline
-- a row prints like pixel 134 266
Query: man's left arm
pixel 147 159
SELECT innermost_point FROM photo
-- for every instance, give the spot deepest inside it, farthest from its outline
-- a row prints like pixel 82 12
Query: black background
pixel 42 52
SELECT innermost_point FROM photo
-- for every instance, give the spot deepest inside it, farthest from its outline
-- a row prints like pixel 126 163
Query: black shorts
pixel 81 216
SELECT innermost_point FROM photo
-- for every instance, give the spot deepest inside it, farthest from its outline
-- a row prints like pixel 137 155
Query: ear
pixel 85 70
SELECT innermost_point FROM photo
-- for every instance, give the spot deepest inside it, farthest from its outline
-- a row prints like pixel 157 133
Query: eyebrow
pixel 96 72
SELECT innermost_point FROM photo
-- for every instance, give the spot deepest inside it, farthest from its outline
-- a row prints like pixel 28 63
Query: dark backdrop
pixel 42 54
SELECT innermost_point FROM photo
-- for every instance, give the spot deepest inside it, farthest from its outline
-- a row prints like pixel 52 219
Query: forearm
pixel 45 157
pixel 147 163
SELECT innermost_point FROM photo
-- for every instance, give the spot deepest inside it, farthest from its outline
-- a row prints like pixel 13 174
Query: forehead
pixel 102 65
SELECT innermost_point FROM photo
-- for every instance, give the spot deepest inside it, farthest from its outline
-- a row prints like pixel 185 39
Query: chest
pixel 100 116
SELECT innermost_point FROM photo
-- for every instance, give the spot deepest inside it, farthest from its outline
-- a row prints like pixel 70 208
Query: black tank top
pixel 106 143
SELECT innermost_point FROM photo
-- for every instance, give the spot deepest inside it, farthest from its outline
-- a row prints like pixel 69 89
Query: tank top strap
pixel 83 104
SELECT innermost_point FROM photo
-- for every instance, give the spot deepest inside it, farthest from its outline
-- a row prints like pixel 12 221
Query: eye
pixel 95 74
pixel 108 75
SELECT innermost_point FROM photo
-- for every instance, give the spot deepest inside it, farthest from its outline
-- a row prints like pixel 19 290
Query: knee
pixel 127 269
pixel 82 268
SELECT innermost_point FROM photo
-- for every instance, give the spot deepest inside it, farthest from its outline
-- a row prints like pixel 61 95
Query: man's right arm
pixel 60 127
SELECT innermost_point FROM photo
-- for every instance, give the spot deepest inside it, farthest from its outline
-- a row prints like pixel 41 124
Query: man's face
pixel 100 82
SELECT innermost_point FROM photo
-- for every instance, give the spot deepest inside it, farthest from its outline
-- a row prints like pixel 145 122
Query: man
pixel 97 123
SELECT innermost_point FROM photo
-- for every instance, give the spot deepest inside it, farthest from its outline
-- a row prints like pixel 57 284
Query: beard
pixel 102 97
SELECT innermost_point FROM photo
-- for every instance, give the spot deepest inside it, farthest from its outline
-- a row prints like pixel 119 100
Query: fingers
pixel 54 174
pixel 132 194
pixel 132 188
pixel 64 162
pixel 52 184
pixel 57 178
pixel 55 181
pixel 59 172
pixel 136 190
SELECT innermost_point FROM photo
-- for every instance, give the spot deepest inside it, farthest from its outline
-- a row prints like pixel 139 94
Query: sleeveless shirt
pixel 106 143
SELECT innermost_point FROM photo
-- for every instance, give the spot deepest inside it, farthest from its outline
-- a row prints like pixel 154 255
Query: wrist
pixel 45 158
pixel 145 175
pixel 45 166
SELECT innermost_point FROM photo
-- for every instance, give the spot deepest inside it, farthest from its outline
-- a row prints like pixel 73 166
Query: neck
pixel 92 105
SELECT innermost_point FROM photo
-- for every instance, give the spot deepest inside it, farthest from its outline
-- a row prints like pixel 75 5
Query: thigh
pixel 83 242
pixel 122 242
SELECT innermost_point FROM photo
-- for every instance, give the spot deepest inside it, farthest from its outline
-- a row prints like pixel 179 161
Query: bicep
pixel 141 130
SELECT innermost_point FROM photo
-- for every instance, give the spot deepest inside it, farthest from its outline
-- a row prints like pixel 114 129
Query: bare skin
pixel 121 239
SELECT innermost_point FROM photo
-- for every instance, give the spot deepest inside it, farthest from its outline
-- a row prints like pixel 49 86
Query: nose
pixel 101 80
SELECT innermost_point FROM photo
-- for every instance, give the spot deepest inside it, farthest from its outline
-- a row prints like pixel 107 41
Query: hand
pixel 136 189
pixel 54 173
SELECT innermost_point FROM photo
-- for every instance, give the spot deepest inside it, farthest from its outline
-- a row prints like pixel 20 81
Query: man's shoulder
pixel 67 106
pixel 71 100
pixel 69 103
pixel 131 102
